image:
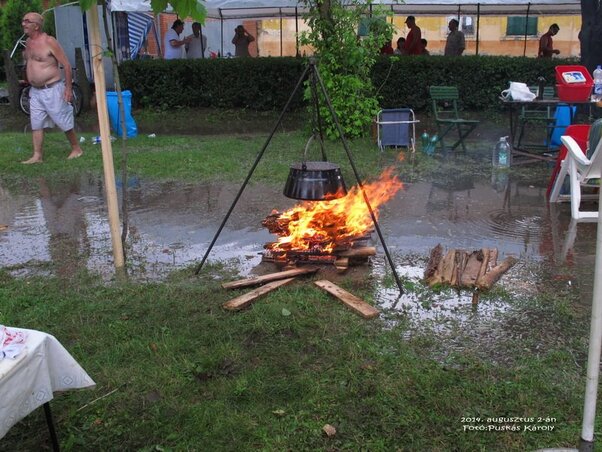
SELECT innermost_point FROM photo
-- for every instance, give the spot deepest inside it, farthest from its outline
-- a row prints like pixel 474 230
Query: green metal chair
pixel 538 116
pixel 445 108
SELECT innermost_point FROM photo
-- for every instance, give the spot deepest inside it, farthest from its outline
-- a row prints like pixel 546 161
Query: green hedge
pixel 480 79
pixel 267 83
pixel 254 83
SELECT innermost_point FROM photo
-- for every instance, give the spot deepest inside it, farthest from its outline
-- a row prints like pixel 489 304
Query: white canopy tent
pixel 231 9
pixel 248 9
pixel 238 10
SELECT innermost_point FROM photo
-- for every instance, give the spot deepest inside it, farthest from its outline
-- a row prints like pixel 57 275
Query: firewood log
pixel 433 263
pixel 472 269
pixel 486 281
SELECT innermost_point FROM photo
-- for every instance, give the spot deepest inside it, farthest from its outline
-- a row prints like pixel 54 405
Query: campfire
pixel 335 231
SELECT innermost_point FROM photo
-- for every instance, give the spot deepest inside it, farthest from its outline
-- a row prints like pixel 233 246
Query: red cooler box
pixel 573 83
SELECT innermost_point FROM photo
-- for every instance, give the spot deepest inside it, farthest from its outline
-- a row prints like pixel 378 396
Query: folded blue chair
pixel 396 127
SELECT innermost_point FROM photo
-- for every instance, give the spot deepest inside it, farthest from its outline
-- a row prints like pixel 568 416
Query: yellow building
pixel 497 35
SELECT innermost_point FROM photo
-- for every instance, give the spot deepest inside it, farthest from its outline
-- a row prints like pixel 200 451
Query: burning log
pixel 245 300
pixel 351 301
pixel 255 281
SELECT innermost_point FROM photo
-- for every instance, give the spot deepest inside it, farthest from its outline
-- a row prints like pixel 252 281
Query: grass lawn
pixel 188 375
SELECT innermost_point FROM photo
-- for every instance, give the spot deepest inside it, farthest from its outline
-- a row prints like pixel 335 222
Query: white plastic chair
pixel 581 171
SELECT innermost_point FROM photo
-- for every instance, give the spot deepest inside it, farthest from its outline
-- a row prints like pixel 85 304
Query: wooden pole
pixel 105 137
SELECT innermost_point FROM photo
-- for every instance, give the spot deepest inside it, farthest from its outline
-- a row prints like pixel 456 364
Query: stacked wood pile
pixel 347 251
pixel 463 269
pixel 341 258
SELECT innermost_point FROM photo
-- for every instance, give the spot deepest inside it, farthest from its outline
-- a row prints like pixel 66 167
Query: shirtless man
pixel 49 97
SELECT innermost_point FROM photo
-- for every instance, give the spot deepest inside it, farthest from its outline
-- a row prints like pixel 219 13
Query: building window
pixel 516 26
pixel 467 24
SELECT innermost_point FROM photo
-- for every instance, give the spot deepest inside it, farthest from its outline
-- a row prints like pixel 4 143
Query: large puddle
pixel 60 226
pixel 172 224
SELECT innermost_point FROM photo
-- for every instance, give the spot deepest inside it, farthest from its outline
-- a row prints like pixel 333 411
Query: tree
pixel 591 33
pixel 10 21
pixel 183 8
pixel 346 60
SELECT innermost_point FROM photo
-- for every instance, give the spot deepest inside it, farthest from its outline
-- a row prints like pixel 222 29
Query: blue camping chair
pixel 396 127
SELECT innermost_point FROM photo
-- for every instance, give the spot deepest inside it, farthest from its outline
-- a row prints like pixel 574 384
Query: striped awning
pixel 139 24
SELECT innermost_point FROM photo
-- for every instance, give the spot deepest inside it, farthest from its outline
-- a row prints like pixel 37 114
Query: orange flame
pixel 327 223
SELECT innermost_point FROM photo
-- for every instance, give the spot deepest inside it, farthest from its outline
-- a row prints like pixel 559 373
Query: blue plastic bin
pixel 113 107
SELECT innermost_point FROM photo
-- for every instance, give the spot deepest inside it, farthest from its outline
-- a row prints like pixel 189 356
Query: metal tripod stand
pixel 315 76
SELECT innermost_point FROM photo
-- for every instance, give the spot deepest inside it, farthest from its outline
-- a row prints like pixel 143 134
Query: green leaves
pixel 346 61
pixel 183 8
pixel 86 4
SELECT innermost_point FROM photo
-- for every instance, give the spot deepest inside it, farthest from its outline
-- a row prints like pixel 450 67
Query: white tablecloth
pixel 30 379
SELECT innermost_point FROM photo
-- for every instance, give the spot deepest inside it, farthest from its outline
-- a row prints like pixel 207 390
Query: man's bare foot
pixel 75 154
pixel 32 160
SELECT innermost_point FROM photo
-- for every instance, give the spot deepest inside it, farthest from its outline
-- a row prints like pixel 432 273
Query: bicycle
pixel 76 101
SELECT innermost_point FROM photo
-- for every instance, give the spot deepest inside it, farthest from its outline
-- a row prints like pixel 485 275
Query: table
pixel 31 379
pixel 515 106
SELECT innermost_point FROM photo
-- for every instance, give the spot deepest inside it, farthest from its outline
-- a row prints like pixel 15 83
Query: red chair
pixel 580 133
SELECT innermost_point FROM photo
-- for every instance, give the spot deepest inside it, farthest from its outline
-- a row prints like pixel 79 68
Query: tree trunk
pixel 591 34
pixel 82 79
pixel 324 7
pixel 12 81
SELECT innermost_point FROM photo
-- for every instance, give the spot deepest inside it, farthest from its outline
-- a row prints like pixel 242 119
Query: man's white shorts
pixel 47 107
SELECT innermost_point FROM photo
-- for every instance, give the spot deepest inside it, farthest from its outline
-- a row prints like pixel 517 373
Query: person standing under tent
pixel 455 43
pixel 50 96
pixel 413 44
pixel 197 46
pixel 546 44
pixel 241 41
pixel 399 49
pixel 174 46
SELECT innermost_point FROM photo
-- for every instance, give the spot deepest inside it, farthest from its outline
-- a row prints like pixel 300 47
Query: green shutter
pixel 515 26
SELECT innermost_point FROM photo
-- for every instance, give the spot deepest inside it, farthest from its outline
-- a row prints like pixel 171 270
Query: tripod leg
pixel 355 172
pixel 252 170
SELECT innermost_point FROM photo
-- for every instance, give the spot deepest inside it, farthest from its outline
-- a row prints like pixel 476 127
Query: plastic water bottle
pixel 501 153
pixel 541 84
pixel 424 140
pixel 432 145
pixel 96 140
pixel 597 84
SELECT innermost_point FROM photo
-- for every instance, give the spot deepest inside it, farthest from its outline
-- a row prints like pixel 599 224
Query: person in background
pixel 424 44
pixel 455 43
pixel 241 41
pixel 174 45
pixel 546 44
pixel 387 49
pixel 197 46
pixel 50 97
pixel 413 45
pixel 399 49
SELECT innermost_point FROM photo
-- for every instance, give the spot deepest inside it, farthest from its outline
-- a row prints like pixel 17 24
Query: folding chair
pixel 584 169
pixel 445 108
pixel 396 127
pixel 543 115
